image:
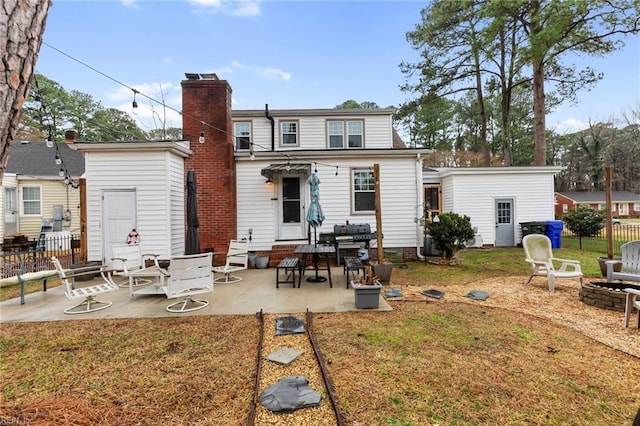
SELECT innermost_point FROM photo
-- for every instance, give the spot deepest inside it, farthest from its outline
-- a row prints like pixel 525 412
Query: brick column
pixel 209 101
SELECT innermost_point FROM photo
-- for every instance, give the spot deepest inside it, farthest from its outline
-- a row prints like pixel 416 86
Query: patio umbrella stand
pixel 315 217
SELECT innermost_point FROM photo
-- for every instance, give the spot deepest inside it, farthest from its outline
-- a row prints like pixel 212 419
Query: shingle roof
pixel 36 159
pixel 600 196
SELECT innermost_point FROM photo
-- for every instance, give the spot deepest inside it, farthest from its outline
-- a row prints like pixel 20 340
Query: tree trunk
pixel 539 141
pixel 22 23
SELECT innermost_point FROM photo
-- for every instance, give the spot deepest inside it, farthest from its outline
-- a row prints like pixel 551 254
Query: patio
pixel 257 291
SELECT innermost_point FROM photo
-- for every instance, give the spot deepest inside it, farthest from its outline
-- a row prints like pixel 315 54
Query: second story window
pixel 289 133
pixel 242 133
pixel 345 134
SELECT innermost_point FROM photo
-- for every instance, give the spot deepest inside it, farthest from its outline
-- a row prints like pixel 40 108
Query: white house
pixel 252 169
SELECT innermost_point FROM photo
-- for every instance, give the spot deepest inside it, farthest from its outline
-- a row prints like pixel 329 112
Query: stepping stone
pixel 284 356
pixel 290 394
pixel 393 292
pixel 436 294
pixel 289 325
pixel 478 295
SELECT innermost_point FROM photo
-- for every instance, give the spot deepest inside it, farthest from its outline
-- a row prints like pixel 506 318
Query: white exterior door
pixel 10 211
pixel 118 219
pixel 504 222
pixel 292 208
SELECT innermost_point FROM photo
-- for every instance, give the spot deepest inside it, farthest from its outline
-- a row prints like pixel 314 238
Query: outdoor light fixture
pixel 250 233
pixel 58 160
pixel 61 172
pixel 49 142
pixel 201 138
pixel 269 181
pixel 134 103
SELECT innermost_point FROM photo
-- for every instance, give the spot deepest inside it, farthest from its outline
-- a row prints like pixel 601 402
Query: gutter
pixel 273 127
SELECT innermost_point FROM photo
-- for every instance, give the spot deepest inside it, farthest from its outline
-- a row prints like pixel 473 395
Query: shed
pixel 135 185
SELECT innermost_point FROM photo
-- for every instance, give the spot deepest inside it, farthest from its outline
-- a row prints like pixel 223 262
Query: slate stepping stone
pixel 436 294
pixel 393 292
pixel 478 295
pixel 284 356
pixel 289 325
pixel 290 394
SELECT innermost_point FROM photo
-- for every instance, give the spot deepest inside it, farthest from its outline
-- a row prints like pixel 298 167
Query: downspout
pixel 273 127
pixel 419 207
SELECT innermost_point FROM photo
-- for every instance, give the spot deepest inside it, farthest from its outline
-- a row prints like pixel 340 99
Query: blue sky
pixel 288 54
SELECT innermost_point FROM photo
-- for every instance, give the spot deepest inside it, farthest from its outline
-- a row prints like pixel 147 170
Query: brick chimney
pixel 70 136
pixel 208 100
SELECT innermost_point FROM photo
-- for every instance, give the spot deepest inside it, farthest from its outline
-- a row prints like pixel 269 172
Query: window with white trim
pixel 351 131
pixel 31 197
pixel 636 207
pixel 289 133
pixel 242 133
pixel 363 191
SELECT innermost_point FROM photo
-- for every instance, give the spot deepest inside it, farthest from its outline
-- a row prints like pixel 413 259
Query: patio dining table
pixel 319 252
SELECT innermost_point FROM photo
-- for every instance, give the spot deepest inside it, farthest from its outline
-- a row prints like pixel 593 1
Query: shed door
pixel 118 219
pixel 504 222
pixel 10 211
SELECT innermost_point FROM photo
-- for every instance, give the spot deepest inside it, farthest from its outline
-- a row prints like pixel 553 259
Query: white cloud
pixel 239 65
pixel 241 8
pixel 155 101
pixel 133 4
pixel 569 125
pixel 276 73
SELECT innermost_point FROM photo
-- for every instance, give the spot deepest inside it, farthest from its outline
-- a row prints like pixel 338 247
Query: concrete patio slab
pixel 257 291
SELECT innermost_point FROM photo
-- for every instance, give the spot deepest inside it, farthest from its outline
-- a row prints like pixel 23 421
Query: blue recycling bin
pixel 554 232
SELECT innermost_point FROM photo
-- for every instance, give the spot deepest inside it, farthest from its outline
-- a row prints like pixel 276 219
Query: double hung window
pixel 363 191
pixel 31 200
pixel 242 134
pixel 289 133
pixel 345 133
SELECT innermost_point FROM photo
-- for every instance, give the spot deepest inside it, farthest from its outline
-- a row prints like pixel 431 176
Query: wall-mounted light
pixel 269 181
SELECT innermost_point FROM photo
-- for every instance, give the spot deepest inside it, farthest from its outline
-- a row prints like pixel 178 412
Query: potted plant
pixel 366 290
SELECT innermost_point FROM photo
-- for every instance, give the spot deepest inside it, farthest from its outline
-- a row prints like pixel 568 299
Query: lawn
pixel 422 363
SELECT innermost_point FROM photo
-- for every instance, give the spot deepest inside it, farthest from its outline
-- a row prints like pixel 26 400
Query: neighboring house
pixel 252 169
pixel 624 204
pixel 35 195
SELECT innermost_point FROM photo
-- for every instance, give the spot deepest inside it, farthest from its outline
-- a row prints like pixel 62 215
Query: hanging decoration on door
pixel 133 238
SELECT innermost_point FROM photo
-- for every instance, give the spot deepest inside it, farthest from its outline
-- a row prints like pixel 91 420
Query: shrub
pixel 451 233
pixel 584 221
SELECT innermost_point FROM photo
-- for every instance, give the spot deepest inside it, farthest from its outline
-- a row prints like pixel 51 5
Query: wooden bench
pixel 352 266
pixel 289 266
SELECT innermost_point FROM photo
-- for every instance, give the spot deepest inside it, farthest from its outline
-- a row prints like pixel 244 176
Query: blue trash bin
pixel 554 232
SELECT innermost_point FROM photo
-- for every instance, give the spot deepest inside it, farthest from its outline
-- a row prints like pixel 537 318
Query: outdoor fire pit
pixel 605 295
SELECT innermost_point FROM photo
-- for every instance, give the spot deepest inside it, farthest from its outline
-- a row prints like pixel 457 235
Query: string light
pixel 201 138
pixel 58 159
pixel 134 103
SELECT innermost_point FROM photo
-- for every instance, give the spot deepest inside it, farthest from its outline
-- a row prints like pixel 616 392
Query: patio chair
pixel 633 301
pixel 129 262
pixel 629 263
pixel 89 293
pixel 237 258
pixel 537 250
pixel 187 276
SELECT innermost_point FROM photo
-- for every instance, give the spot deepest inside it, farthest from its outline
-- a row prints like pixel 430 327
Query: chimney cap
pixel 192 76
pixel 209 76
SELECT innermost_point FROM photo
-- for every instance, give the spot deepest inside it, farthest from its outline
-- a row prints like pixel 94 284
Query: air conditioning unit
pixel 476 241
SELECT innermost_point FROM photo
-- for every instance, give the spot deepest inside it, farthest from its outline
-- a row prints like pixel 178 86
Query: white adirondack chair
pixel 538 253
